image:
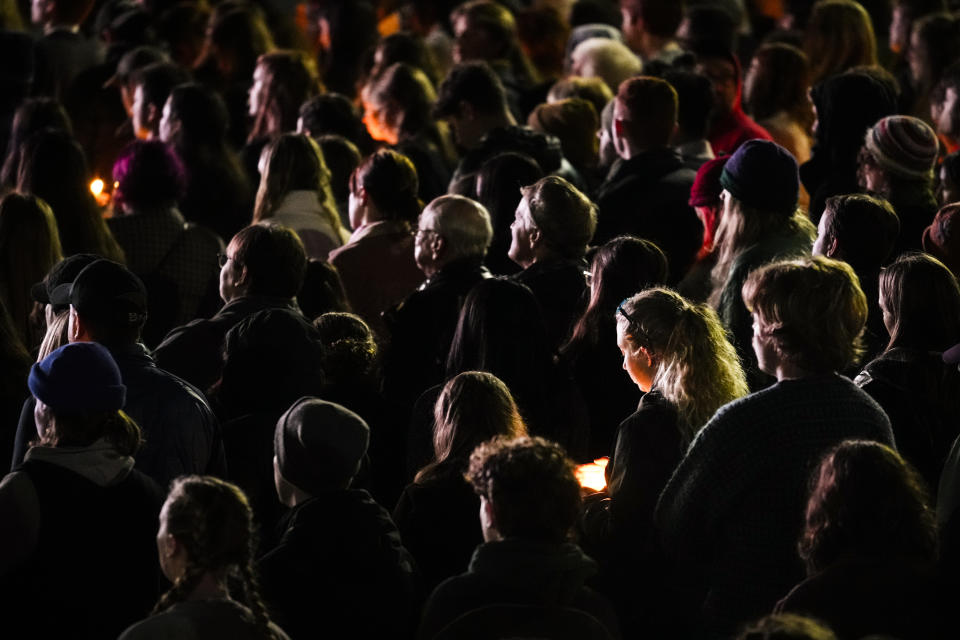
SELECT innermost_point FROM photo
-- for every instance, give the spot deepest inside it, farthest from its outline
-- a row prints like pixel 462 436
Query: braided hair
pixel 213 521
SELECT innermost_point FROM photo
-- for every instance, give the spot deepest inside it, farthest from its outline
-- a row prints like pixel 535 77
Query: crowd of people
pixel 309 312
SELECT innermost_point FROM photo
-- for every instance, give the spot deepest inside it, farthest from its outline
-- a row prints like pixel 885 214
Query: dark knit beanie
pixel 319 444
pixel 706 187
pixel 78 377
pixel 763 175
pixel 904 146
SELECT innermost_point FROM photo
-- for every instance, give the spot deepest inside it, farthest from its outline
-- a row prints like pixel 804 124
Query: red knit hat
pixel 941 240
pixel 706 188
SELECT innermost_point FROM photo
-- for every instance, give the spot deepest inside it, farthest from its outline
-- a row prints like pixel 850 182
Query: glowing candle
pixel 591 475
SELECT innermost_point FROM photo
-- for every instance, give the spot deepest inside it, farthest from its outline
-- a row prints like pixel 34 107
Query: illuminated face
pixel 138 114
pixel 723 75
pixel 944 114
pixel 636 362
pixel 520 229
pixel 423 246
pixel 230 274
pixel 767 359
pixel 819 245
pixel 377 126
pixel 258 90
pixel 167 123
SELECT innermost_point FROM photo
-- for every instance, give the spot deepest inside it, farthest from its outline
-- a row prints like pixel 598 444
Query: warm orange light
pixel 96 187
pixel 591 475
pixel 99 193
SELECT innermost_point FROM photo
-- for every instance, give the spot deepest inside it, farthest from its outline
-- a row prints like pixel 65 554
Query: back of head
pixel 473 407
pixel 202 117
pixel 610 60
pixel 786 626
pixel 649 110
pixel 575 122
pixel 53 167
pixel 290 79
pixel 531 486
pixel 464 224
pixel 942 238
pixel 593 90
pixel 406 47
pixel 33 114
pixel 332 113
pixel 148 174
pixel 499 182
pixel 342 158
pixel 350 351
pixel 865 229
pixel 920 298
pixel 812 310
pixel 839 36
pixel 904 148
pixel 867 502
pixel 566 218
pixel 322 290
pixel 390 181
pixel 778 80
pixel 495 20
pixel 319 445
pixel 157 80
pixel 236 36
pixel 660 17
pixel 709 26
pixel 847 105
pixel 474 83
pixel 405 94
pixel 274 258
pixel 763 176
pixel 293 162
pixel 695 101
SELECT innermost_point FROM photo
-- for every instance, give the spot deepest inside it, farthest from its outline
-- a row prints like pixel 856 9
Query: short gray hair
pixel 463 223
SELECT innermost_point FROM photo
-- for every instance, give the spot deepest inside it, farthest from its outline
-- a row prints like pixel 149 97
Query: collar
pixel 380 228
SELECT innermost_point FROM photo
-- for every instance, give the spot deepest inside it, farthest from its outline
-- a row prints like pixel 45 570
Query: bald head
pixel 451 228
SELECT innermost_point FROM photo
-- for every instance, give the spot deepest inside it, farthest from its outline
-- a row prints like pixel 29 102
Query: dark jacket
pixel 561 289
pixel 181 434
pixel 340 565
pixel 646 196
pixel 194 351
pixel 438 519
pixel 916 206
pixel 521 572
pixel 421 329
pixel 921 395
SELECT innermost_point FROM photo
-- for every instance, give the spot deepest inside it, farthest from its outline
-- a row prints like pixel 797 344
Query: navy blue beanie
pixel 763 175
pixel 78 377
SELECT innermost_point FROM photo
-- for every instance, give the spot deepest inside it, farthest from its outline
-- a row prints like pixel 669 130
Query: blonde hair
pixel 741 227
pixel 294 162
pixel 697 367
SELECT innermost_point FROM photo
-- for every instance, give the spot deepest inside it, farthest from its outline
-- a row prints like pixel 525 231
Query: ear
pixel 834 249
pixel 361 195
pixel 76 329
pixel 169 546
pixel 536 238
pixel 643 352
pixel 437 245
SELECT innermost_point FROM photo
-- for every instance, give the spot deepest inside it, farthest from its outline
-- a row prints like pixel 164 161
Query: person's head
pixel 680 349
pixel 904 14
pixel 695 104
pixel 293 162
pixel 777 80
pixel 808 315
pixel 108 304
pixel 761 177
pixel 607 151
pixel 897 150
pixel 236 35
pixel 939 239
pixel 80 396
pixel 194 117
pixel 406 47
pixel 148 175
pixel 53 166
pixel 867 502
pixel 948 187
pixel 859 229
pixel 469 98
pixel 644 18
pixel 346 34
pixel 29 248
pixel 33 115
pixel 945 106
pixel 318 447
pixel 342 158
pixel 397 103
pixel 593 90
pixel 350 351
pixel 839 36
pixel 610 60
pixel 528 489
pixel 282 81
pixel 207 530
pixel 451 228
pixel 497 187
pixel 934 45
pixel 322 290
pixel 846 106
pixel 473 407
pixel 553 219
pixel 332 113
pixel 920 301
pixel 152 85
pixel 722 68
pixel 575 122
pixel 483 30
pixel 620 268
pixel 263 260
pixel 644 115
pixel 705 198
pixel 710 26
pixel 786 626
pixel 384 187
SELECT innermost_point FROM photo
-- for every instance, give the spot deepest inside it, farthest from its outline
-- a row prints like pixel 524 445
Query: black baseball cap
pixel 64 272
pixel 106 291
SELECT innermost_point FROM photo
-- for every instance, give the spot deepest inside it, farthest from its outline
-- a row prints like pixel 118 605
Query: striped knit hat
pixel 904 146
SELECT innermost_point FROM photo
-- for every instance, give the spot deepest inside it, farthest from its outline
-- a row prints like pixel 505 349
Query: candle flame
pixel 592 476
pixel 96 187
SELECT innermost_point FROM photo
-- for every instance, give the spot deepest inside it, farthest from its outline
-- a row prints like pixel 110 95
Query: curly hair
pixel 531 484
pixel 813 310
pixel 866 500
pixel 697 367
pixel 213 522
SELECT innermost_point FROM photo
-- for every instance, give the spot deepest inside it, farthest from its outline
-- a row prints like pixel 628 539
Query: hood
pixel 847 105
pixel 557 571
pixel 99 463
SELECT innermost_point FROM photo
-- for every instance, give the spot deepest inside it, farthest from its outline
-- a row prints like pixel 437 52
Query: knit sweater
pixel 735 505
